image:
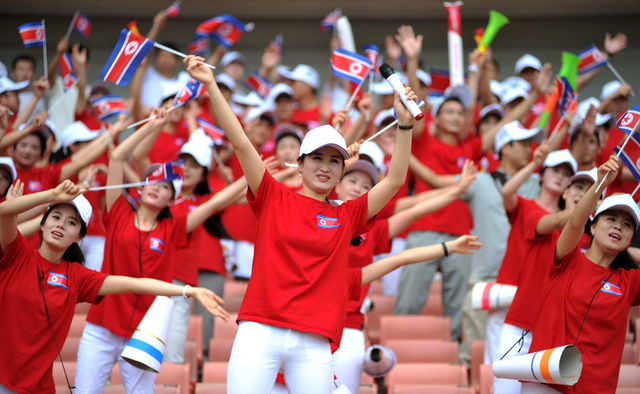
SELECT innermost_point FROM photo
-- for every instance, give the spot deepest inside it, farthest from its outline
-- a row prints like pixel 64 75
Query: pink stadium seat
pixel 486 379
pixel 627 391
pixel 77 325
pixel 58 373
pixel 424 351
pixel 477 358
pixel 69 351
pixel 629 376
pixel 82 308
pixel 226 330
pixel 211 388
pixel 232 303
pixel 234 288
pixel 427 373
pixel 191 358
pixel 376 287
pixel 414 327
pixel 367 389
pixel 220 349
pixel 629 354
pixel 195 332
pixel 175 374
pixel 367 380
pixel 214 372
pixel 433 306
pixel 382 305
pixel 431 389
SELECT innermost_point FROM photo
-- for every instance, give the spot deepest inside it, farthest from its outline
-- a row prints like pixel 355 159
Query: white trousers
pixel 495 321
pixel 178 328
pixel 348 360
pixel 390 280
pixel 509 338
pixel 93 248
pixel 5 390
pixel 537 388
pixel 260 351
pixel 99 350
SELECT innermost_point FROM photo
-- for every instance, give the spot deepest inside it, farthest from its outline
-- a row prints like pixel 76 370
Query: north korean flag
pixel 630 156
pixel 32 34
pixel 590 59
pixel 107 106
pixel 567 94
pixel 628 121
pixel 82 25
pixel 212 131
pixel 258 84
pixel 439 82
pixel 69 79
pixel 192 90
pixel 225 29
pixel 156 244
pixel 59 280
pixel 350 66
pixel 327 222
pixel 199 46
pixel 126 57
pixel 371 51
pixel 174 10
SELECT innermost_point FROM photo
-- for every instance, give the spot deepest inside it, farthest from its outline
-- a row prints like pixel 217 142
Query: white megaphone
pixel 560 365
pixel 145 349
pixel 378 360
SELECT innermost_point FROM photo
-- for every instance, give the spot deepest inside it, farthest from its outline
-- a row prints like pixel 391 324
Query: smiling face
pixel 61 227
pixel 321 170
pixel 353 185
pixel 613 231
pixel 27 151
pixel 158 195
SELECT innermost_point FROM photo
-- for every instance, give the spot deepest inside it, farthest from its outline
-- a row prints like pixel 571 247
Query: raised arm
pixel 412 48
pixel 510 189
pixel 486 95
pixel 612 45
pixel 573 230
pixel 16 135
pixel 426 174
pixel 249 158
pixel 79 60
pixel 40 87
pixel 61 48
pixel 216 203
pixel 381 193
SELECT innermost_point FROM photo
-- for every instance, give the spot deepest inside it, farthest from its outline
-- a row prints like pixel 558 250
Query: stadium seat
pixel 233 288
pixel 175 374
pixel 82 308
pixel 77 325
pixel 477 358
pixel 428 374
pixel 58 373
pixel 214 372
pixel 232 303
pixel 226 329
pixel 424 351
pixel 211 388
pixel 624 390
pixel 486 379
pixel 376 287
pixel 368 389
pixel 220 349
pixel 414 327
pixel 431 389
pixel 69 351
pixel 629 354
pixel 382 305
pixel 195 332
pixel 629 376
pixel 433 306
pixel 191 358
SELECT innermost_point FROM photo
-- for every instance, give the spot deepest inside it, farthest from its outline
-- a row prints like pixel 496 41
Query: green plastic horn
pixel 569 68
pixel 496 21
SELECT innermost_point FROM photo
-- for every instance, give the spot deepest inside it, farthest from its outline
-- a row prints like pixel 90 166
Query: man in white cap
pixel 234 65
pixel 528 67
pixel 23 69
pixel 306 83
pixel 615 98
pixel 281 98
pixel 9 97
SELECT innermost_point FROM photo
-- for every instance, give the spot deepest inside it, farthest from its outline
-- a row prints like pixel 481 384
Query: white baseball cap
pixel 368 168
pixel 76 132
pixel 515 82
pixel 461 93
pixel 278 90
pixel 591 175
pixel 510 94
pixel 81 204
pixel 45 130
pixel 3 70
pixel 622 202
pixel 226 80
pixel 304 73
pixel 7 163
pixel 424 77
pixel 491 109
pixel 373 151
pixel 199 147
pixel 252 99
pixel 609 88
pixel 496 87
pixel 169 90
pixel 558 157
pixel 322 136
pixel 384 115
pixel 527 61
pixel 286 129
pixel 231 57
pixel 514 131
pixel 7 85
pixel 583 108
pixel 259 112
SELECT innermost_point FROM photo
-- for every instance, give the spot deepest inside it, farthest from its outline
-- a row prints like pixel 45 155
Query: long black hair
pixel 73 254
pixel 623 260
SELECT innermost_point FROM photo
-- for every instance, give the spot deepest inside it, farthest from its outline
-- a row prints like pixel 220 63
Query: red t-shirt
pixel 523 219
pixel 39 179
pixel 489 163
pixel 89 119
pixel 202 251
pixel 374 242
pixel 301 258
pixel 167 146
pixel 238 219
pixel 28 348
pixel 565 300
pixel 445 159
pixel 122 255
pixel 305 116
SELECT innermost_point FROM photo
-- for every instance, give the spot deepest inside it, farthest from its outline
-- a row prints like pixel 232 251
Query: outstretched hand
pixel 410 43
pixel 541 152
pixel 467 176
pixel 466 244
pixel 210 301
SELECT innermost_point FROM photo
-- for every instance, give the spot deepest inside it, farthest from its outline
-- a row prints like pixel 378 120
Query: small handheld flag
pixel 82 25
pixel 107 106
pixel 590 59
pixel 199 46
pixel 350 66
pixel 126 57
pixel 33 34
pixel 258 84
pixel 174 9
pixel 192 90
pixel 330 21
pixel 371 51
pixel 566 94
pixel 69 79
pixel 278 43
pixel 210 129
pixel 628 121
pixel 225 29
pixel 439 82
pixel 630 156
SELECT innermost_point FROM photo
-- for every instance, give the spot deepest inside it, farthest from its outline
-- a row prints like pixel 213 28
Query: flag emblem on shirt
pixel 350 66
pixel 630 156
pixel 107 106
pixel 327 222
pixel 82 25
pixel 57 280
pixel 34 186
pixel 590 59
pixel 628 121
pixel 32 34
pixel 68 78
pixel 611 288
pixel 126 57
pixel 156 244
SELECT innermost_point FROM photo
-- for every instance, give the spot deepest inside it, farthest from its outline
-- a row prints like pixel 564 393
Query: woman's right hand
pixel 15 190
pixel 67 191
pixel 608 170
pixel 198 70
pixel 466 244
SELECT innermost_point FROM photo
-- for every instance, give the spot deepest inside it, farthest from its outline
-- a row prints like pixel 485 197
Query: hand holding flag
pixel 32 34
pixel 330 21
pixel 174 10
pixel 80 23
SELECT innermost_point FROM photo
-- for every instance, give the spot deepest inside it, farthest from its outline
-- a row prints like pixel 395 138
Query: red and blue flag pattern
pixel 439 82
pixel 192 90
pixel 33 34
pixel 167 172
pixel 69 79
pixel 630 156
pixel 174 10
pixel 628 121
pixel 199 46
pixel 327 222
pixel 210 129
pixel 590 59
pixel 56 279
pixel 566 95
pixel 225 29
pixel 350 66
pixel 330 21
pixel 126 57
pixel 258 84
pixel 108 106
pixel 371 51
pixel 82 25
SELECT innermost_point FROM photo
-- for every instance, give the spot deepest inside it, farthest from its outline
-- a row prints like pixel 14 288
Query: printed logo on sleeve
pixel 611 289
pixel 327 222
pixel 156 244
pixel 57 280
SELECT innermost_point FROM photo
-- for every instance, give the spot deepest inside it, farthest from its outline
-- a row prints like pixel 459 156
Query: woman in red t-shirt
pixel 293 305
pixel 45 282
pixel 587 296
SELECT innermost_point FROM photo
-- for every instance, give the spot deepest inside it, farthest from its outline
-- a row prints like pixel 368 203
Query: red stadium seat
pixel 58 373
pixel 414 327
pixel 434 305
pixel 214 372
pixel 376 287
pixel 175 374
pixel 424 351
pixel 195 332
pixel 427 373
pixel 233 288
pixel 82 308
pixel 486 379
pixel 431 389
pixel 211 388
pixel 382 305
pixel 629 354
pixel 77 325
pixel 368 389
pixel 220 349
pixel 624 390
pixel 69 351
pixel 226 329
pixel 477 358
pixel 191 358
pixel 232 303
pixel 629 376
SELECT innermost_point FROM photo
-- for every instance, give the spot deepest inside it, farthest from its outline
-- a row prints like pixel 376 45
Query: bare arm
pixel 214 204
pixel 40 87
pixel 61 48
pixel 426 174
pixel 553 221
pixel 510 189
pixel 16 135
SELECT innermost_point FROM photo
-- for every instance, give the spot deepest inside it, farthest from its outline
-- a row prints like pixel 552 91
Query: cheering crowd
pixel 275 185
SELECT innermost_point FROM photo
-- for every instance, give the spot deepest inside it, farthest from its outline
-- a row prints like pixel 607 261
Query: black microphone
pixel 392 79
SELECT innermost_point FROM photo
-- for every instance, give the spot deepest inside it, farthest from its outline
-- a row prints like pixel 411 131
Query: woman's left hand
pixel 67 191
pixel 210 301
pixel 404 116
